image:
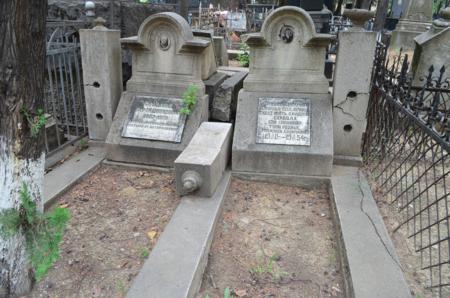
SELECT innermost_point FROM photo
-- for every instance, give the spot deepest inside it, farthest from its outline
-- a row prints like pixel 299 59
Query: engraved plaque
pixel 284 121
pixel 155 118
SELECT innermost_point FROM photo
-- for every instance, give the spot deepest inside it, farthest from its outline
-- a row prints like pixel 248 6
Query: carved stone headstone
pixel 284 118
pixel 148 127
pixel 416 20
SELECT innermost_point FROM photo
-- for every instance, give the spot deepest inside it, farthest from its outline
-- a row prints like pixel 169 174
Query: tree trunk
pixel 22 61
pixel 338 10
pixel 381 14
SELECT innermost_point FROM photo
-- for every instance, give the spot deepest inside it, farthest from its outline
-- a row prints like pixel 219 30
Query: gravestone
pixel 284 115
pixel 148 127
pixel 432 48
pixel 416 20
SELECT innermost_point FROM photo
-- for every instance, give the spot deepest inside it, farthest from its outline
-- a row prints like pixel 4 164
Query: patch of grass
pixel 144 253
pixel 270 268
pixel 244 58
pixel 43 231
pixel 121 288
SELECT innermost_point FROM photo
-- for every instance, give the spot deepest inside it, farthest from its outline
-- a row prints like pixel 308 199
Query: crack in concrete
pixel 347 113
pixel 361 206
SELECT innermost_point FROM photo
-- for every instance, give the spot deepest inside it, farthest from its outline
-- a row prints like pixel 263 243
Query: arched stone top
pixel 166 31
pixel 288 24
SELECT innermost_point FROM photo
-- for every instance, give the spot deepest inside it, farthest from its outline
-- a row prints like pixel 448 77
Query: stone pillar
pixel 432 48
pixel 102 76
pixel 352 86
pixel 416 20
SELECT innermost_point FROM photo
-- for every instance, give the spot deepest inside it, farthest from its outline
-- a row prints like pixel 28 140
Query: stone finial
pixel 99 23
pixel 444 18
pixel 191 181
pixel 358 17
pixel 89 6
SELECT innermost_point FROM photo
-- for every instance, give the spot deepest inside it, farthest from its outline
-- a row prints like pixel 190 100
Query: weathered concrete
pixel 212 84
pixel 207 155
pixel 352 84
pixel 102 77
pixel 208 58
pixel 176 264
pixel 287 61
pixel 225 98
pixel 220 51
pixel 370 263
pixel 432 48
pixel 61 178
pixel 416 20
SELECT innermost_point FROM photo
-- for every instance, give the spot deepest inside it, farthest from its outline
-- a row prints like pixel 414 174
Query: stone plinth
pixel 352 85
pixel 148 127
pixel 102 77
pixel 432 48
pixel 416 20
pixel 284 116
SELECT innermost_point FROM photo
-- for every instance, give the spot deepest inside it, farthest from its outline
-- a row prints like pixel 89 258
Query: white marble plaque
pixel 155 118
pixel 284 121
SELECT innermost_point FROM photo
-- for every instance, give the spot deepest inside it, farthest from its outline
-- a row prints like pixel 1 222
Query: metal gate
pixel 64 102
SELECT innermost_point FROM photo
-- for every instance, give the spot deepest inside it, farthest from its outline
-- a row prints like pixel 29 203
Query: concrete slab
pixel 371 265
pixel 175 266
pixel 63 177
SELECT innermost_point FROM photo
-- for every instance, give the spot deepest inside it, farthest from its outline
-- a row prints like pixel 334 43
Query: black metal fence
pixel 406 150
pixel 64 96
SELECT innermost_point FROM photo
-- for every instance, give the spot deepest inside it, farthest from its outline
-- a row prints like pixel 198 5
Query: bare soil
pixel 117 215
pixel 274 241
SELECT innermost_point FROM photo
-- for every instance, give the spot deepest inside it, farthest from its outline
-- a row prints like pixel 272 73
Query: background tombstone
pixel 432 48
pixel 416 20
pixel 102 76
pixel 148 127
pixel 352 87
pixel 284 116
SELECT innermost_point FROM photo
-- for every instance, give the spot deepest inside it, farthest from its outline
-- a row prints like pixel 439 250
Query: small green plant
pixel 268 268
pixel 189 100
pixel 144 253
pixel 83 144
pixel 227 293
pixel 121 288
pixel 43 231
pixel 35 121
pixel 244 57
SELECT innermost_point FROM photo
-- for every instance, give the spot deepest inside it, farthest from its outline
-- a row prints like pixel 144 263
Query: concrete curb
pixel 176 264
pixel 368 259
pixel 61 178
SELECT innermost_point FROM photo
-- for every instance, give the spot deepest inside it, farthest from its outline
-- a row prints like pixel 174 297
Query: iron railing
pixel 406 150
pixel 64 96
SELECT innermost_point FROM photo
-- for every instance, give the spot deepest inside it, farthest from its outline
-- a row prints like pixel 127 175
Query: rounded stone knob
pixel 191 181
pixel 358 16
pixel 445 13
pixel 444 19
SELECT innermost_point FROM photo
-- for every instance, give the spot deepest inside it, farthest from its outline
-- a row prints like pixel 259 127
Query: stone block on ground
pixel 225 98
pixel 200 166
pixel 212 84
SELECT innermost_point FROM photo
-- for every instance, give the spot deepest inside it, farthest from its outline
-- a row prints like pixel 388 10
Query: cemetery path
pixel 117 215
pixel 274 241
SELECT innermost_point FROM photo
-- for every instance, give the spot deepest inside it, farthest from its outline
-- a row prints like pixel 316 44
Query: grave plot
pixel 274 241
pixel 117 215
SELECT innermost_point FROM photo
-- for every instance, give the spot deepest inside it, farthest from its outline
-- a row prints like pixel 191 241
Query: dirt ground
pixel 117 214
pixel 409 259
pixel 274 241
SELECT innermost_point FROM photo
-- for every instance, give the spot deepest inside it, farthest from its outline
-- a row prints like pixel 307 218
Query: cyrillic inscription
pixel 155 118
pixel 284 121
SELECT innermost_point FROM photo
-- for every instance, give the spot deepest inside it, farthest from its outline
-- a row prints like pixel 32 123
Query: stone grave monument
pixel 352 87
pixel 284 119
pixel 416 20
pixel 432 48
pixel 148 127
